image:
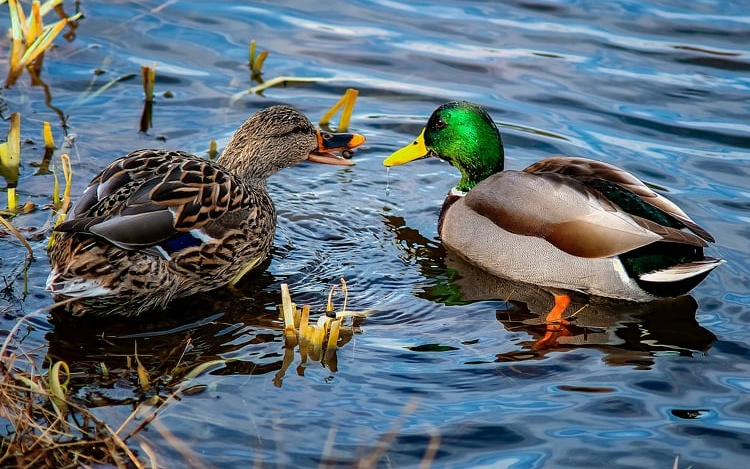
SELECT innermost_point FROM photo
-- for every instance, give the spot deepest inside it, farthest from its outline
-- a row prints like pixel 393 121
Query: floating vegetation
pixel 255 63
pixel 148 74
pixel 30 38
pixel 89 93
pixel 283 80
pixel 10 159
pixel 319 341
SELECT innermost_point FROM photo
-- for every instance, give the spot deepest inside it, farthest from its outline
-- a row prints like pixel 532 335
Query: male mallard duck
pixel 567 223
pixel 156 225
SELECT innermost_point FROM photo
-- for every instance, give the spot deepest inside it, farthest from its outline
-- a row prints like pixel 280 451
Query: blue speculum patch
pixel 180 242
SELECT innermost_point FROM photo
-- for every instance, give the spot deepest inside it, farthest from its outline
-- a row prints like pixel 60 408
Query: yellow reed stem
pixel 213 152
pixel 49 5
pixel 329 304
pixel 29 37
pixel 333 335
pixel 255 62
pixel 347 103
pixel 143 376
pixel 148 75
pixel 55 190
pixel 303 322
pixel 251 54
pixel 49 141
pixel 346 115
pixel 43 42
pixel 12 199
pixel 282 80
pixel 58 389
pixel 345 291
pixel 287 307
pixel 10 158
pixel 68 174
pixel 35 26
pixel 18 23
pixel 61 205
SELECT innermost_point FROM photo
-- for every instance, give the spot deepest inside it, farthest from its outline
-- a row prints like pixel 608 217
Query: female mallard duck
pixel 568 223
pixel 156 225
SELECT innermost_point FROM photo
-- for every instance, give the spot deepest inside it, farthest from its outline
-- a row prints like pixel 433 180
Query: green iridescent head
pixel 463 134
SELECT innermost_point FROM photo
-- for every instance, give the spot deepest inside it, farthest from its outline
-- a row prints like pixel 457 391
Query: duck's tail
pixel 682 272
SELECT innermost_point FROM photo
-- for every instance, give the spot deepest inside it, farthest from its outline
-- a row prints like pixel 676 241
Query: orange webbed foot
pixel 555 323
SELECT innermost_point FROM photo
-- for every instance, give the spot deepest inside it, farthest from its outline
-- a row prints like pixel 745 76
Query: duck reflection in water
pixel 238 331
pixel 628 333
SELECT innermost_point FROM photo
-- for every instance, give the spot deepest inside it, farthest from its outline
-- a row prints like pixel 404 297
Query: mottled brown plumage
pixel 156 225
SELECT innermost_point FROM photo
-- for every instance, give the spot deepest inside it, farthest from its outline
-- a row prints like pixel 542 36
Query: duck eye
pixel 440 124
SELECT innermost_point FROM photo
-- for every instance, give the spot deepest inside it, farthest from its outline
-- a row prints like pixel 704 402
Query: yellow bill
pixel 410 152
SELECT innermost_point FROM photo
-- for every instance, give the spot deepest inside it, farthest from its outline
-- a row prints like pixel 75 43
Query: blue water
pixel 443 370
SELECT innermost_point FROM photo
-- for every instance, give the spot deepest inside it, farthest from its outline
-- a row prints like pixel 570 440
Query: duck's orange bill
pixel 329 142
pixel 413 151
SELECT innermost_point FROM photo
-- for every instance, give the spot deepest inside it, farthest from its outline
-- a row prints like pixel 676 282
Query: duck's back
pixel 578 224
pixel 506 226
pixel 161 221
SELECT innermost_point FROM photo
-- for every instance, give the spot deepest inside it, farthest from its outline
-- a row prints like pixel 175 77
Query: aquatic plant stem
pixel 283 80
pixel 148 74
pixel 10 158
pixel 15 232
pixel 255 63
pixel 347 102
pixel 31 36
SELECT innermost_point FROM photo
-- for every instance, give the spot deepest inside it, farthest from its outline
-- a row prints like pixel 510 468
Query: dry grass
pixel 46 427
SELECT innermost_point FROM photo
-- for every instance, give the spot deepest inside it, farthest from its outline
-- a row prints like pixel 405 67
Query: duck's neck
pixel 484 158
pixel 244 159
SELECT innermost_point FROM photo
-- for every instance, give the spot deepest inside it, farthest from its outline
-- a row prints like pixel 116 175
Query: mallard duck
pixel 156 225
pixel 565 223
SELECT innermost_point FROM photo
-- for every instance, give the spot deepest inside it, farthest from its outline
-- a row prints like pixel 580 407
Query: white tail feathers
pixel 76 287
pixel 682 271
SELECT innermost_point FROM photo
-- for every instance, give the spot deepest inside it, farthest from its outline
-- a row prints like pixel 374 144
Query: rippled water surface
pixel 443 370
